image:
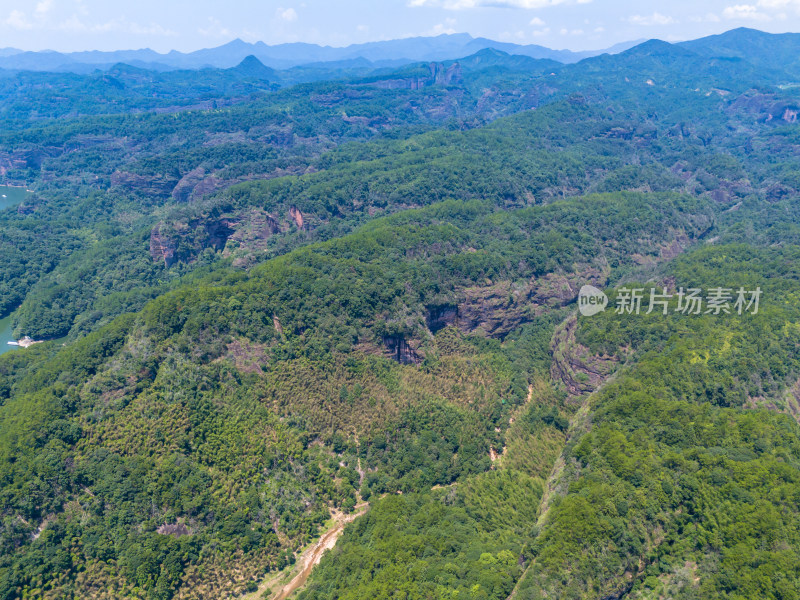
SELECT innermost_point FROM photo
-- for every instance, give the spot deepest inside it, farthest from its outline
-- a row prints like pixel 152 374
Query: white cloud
pixel 446 28
pixel 152 29
pixel 763 10
pixel 746 12
pixel 17 20
pixel 215 29
pixel 287 14
pixel 780 4
pixel 536 22
pixel 441 29
pixel 655 19
pixel 464 4
pixel 541 32
pixel 44 7
pixel 571 31
pixel 75 25
pixel 707 18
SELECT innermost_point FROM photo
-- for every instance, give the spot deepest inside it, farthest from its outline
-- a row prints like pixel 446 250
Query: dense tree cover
pixel 100 180
pixel 684 484
pixel 326 296
pixel 467 540
pixel 411 343
pixel 460 542
pixel 123 88
pixel 122 168
pixel 204 374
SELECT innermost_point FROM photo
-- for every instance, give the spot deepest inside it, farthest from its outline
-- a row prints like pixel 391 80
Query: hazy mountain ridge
pixel 768 50
pixel 284 56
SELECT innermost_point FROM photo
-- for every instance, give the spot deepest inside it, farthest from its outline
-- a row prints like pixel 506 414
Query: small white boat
pixel 13 343
pixel 4 196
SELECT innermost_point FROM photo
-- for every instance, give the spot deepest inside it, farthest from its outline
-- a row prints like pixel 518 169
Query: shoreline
pixel 17 187
pixel 25 342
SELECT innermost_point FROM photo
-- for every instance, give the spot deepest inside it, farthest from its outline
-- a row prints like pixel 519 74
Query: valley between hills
pixel 314 332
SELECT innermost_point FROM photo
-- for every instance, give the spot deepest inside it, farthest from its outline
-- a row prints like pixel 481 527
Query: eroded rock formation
pixel 400 350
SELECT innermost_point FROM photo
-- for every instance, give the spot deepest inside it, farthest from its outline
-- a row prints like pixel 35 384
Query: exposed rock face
pixel 580 371
pixel 399 349
pixel 720 196
pixel 277 324
pixel 449 76
pixel 196 184
pixel 12 160
pixel 495 310
pixel 767 107
pixel 439 75
pixel 675 247
pixel 173 529
pixel 778 192
pixel 161 248
pixel 26 208
pixel 622 133
pixel 296 216
pixel 218 233
pixel 440 316
pixel 251 232
pixel 246 355
pixel 156 185
pixel 793 401
pixel 182 241
pixel 183 191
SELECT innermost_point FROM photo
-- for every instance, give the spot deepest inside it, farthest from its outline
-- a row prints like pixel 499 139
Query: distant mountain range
pixel 755 46
pixel 765 50
pixel 284 56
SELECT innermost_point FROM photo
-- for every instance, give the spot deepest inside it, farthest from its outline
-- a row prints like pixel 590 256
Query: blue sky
pixel 69 25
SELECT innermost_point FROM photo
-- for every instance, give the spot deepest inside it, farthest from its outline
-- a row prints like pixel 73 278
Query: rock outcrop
pixel 296 216
pixel 579 370
pixel 196 184
pixel 251 232
pixel 154 185
pixel 440 316
pixel 497 309
pixel 184 241
pixel 438 75
pixel 161 247
pixel 400 350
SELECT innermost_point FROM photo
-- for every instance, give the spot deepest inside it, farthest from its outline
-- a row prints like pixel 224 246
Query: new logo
pixel 591 301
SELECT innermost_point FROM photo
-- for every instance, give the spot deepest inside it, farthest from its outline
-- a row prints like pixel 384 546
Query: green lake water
pixel 5 335
pixel 11 196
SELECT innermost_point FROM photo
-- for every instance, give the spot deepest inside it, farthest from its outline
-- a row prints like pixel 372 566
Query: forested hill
pixel 281 304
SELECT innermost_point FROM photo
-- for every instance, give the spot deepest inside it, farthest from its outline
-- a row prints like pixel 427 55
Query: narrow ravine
pixel 578 423
pixel 313 554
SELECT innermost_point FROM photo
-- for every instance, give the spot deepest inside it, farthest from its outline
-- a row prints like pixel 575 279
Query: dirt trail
pixel 493 454
pixel 312 555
